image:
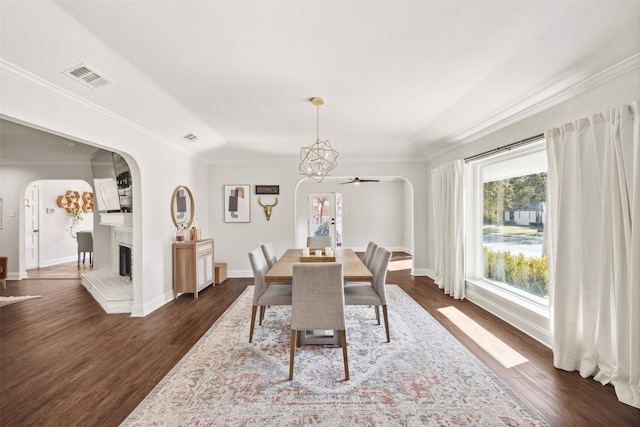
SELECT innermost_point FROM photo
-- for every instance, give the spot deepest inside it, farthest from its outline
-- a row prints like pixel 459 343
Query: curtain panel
pixel 593 231
pixel 448 214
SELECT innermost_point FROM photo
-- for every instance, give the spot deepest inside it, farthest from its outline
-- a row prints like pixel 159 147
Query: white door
pixel 31 226
pixel 325 215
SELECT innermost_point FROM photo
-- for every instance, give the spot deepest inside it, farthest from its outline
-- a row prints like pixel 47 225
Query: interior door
pixel 32 226
pixel 325 215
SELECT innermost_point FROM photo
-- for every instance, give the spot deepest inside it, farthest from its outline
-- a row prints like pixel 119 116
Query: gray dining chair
pixel 373 293
pixel 264 294
pixel 368 254
pixel 319 242
pixel 85 244
pixel 269 253
pixel 318 304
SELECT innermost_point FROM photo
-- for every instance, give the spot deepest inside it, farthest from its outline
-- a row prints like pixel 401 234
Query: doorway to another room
pixel 54 212
pixel 325 216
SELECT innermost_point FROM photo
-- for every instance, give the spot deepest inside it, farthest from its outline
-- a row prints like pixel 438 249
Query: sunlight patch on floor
pixel 500 351
pixel 400 265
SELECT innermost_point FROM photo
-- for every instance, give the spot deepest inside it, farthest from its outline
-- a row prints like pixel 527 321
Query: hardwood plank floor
pixel 63 361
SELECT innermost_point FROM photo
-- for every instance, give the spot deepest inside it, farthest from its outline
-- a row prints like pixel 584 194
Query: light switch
pixel 12 213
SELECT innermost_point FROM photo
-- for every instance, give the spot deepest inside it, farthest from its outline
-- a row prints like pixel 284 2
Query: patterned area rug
pixel 423 377
pixel 11 300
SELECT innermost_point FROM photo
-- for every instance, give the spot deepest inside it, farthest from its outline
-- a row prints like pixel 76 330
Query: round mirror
pixel 182 207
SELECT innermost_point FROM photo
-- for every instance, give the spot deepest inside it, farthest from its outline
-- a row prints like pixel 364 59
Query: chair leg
pixel 292 352
pixel 343 341
pixel 386 321
pixel 377 308
pixel 4 283
pixel 253 321
pixel 262 309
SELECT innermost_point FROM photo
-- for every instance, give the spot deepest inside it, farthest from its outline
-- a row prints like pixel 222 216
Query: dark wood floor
pixel 63 361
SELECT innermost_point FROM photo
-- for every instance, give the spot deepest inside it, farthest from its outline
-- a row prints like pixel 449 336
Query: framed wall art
pixel 236 203
pixel 267 189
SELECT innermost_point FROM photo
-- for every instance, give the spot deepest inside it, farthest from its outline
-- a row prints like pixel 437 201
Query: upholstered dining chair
pixel 264 294
pixel 318 304
pixel 368 254
pixel 373 293
pixel 269 253
pixel 319 242
pixel 85 244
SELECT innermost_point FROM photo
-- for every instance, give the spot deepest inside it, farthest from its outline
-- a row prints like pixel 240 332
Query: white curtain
pixel 594 243
pixel 448 213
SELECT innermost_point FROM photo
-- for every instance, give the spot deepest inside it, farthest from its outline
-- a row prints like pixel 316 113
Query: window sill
pixel 526 315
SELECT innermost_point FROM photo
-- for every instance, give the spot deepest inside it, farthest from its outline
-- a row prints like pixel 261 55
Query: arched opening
pixel 54 212
pixel 379 211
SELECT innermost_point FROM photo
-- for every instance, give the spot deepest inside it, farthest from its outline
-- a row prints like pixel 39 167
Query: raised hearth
pixel 113 287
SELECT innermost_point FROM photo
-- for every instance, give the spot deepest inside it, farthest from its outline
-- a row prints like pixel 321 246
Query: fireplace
pixel 124 264
pixel 122 251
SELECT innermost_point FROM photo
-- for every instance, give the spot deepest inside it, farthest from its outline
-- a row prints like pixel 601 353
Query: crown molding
pixel 521 111
pixel 24 76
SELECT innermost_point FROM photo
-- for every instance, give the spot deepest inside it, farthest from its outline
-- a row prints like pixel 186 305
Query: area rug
pixel 11 300
pixel 424 376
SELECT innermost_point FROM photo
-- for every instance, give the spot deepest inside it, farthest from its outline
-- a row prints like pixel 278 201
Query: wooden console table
pixel 193 266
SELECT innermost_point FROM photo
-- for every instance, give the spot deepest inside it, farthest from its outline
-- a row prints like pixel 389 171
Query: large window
pixel 508 250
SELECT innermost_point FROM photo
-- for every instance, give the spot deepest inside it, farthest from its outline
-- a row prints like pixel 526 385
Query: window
pixel 506 250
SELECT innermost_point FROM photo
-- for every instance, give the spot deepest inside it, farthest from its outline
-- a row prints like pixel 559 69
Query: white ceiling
pixel 401 79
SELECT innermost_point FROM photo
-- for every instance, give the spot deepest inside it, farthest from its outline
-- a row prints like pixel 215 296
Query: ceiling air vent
pixel 190 137
pixel 84 74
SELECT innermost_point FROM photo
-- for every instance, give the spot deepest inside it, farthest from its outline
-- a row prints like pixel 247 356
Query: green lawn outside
pixel 513 229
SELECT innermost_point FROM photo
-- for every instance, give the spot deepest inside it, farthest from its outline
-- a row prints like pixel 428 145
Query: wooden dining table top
pixel 354 269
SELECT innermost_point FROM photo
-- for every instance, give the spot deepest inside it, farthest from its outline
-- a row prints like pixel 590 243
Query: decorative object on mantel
pixel 318 159
pixel 236 203
pixel 267 208
pixel 182 208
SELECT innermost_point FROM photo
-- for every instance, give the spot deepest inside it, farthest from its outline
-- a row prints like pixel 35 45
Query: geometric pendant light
pixel 319 158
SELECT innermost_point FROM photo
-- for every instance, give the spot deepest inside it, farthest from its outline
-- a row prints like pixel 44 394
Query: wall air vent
pixel 84 74
pixel 190 137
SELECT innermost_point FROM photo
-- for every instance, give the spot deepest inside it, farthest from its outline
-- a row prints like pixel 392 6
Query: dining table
pixel 353 269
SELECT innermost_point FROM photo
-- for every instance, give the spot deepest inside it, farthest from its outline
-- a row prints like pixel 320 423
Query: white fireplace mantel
pixel 117 219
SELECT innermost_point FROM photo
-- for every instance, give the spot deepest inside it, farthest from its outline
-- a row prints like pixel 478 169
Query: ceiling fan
pixel 357 181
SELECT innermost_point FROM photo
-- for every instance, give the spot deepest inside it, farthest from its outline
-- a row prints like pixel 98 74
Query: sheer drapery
pixel 448 213
pixel 594 242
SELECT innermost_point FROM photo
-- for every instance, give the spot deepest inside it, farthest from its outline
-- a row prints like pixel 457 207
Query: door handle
pixel 35 231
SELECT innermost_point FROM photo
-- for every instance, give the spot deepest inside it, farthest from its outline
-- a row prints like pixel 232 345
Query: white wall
pixel 233 241
pixel 56 242
pixel 371 211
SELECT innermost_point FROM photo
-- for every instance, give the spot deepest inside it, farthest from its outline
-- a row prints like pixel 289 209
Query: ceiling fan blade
pixel 357 180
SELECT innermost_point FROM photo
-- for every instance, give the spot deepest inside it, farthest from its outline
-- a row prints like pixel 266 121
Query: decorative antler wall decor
pixel 267 208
